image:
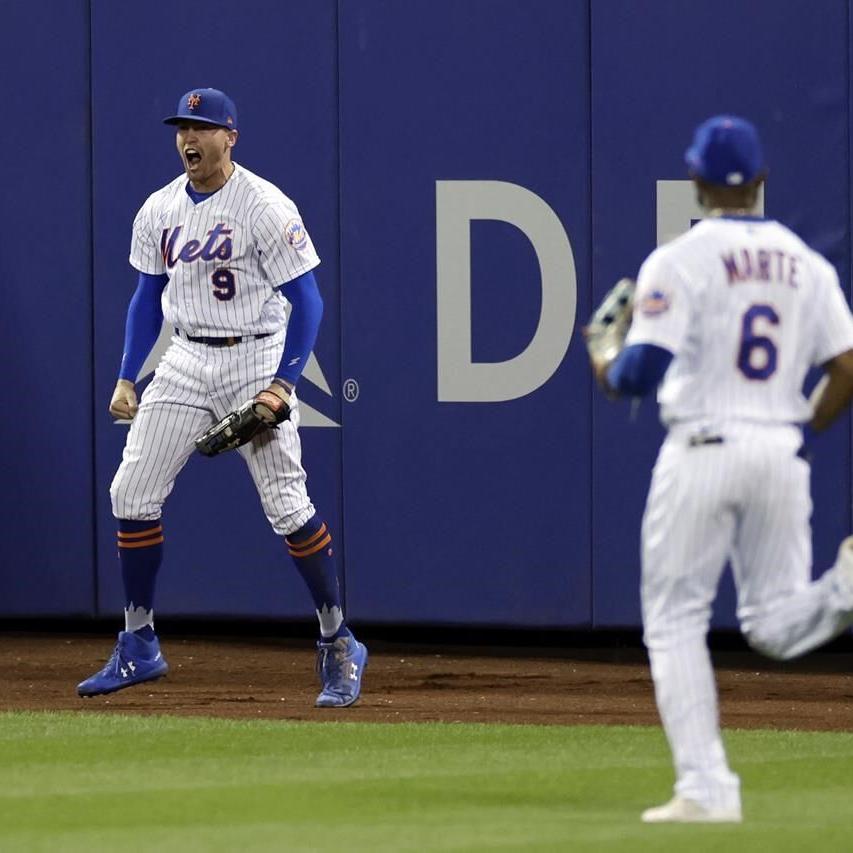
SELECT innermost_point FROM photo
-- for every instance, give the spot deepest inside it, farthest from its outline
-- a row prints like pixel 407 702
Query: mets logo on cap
pixel 193 101
pixel 294 233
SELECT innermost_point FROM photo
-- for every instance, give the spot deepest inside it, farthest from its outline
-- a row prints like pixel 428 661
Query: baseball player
pixel 728 319
pixel 219 252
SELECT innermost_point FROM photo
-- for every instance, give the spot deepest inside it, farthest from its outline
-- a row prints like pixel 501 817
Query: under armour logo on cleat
pixel 123 672
pixel 131 666
pixel 353 671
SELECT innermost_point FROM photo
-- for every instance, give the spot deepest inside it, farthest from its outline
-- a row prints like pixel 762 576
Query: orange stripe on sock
pixel 313 538
pixel 144 543
pixel 141 534
pixel 309 551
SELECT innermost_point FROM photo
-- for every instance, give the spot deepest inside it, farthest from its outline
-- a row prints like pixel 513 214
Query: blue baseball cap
pixel 208 105
pixel 726 150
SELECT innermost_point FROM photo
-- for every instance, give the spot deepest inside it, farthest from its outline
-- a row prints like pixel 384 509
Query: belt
pixel 220 342
pixel 701 440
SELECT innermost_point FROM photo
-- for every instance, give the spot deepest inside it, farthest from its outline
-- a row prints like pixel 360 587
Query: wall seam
pixel 92 389
pixel 342 556
pixel 591 262
pixel 849 243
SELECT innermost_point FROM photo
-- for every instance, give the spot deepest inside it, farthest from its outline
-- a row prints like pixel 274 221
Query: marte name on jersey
pixel 752 264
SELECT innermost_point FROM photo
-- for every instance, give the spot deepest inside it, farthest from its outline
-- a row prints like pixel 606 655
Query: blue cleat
pixel 340 666
pixel 133 661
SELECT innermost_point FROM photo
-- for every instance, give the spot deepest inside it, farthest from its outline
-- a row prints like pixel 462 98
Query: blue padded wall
pixel 46 344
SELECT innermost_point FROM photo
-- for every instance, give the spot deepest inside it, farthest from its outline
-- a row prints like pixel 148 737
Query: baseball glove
pixel 237 428
pixel 609 324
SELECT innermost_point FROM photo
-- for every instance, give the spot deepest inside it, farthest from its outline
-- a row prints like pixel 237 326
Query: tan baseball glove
pixel 605 334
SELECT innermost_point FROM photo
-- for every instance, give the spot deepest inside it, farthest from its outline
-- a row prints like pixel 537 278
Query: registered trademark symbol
pixel 351 390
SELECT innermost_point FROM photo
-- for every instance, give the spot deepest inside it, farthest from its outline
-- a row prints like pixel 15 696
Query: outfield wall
pixel 475 175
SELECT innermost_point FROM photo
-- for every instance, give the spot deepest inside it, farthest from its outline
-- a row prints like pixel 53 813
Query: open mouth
pixel 193 157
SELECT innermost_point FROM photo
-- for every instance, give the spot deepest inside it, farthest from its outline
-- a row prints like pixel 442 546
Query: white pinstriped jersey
pixel 224 256
pixel 746 308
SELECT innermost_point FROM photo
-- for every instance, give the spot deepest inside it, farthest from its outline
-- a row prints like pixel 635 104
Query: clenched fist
pixel 124 403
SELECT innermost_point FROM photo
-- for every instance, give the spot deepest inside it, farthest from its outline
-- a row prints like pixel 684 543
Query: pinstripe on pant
pixel 193 387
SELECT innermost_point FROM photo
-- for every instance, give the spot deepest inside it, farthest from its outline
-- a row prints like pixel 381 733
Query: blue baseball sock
pixel 311 549
pixel 140 550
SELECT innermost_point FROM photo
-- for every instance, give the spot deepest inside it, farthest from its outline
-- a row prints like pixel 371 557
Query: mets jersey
pixel 224 256
pixel 746 308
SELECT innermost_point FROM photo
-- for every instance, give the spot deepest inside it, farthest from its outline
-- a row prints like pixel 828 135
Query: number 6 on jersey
pixel 757 355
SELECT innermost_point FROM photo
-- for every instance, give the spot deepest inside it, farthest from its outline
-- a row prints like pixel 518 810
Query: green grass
pixel 130 783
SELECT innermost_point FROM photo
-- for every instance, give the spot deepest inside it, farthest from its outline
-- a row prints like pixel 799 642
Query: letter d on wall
pixel 460 379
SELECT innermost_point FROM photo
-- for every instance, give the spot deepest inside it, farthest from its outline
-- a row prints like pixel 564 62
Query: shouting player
pixel 729 318
pixel 218 251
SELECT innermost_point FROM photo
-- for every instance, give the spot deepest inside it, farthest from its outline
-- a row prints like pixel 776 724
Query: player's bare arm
pixel 834 392
pixel 600 366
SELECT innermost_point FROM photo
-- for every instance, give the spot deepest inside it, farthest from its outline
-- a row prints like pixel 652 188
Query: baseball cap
pixel 726 150
pixel 208 105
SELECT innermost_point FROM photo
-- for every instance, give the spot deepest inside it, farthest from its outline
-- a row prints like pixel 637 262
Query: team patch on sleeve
pixel 294 233
pixel 654 302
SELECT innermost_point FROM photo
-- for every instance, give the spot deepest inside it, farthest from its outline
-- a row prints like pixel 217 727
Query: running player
pixel 218 251
pixel 729 317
